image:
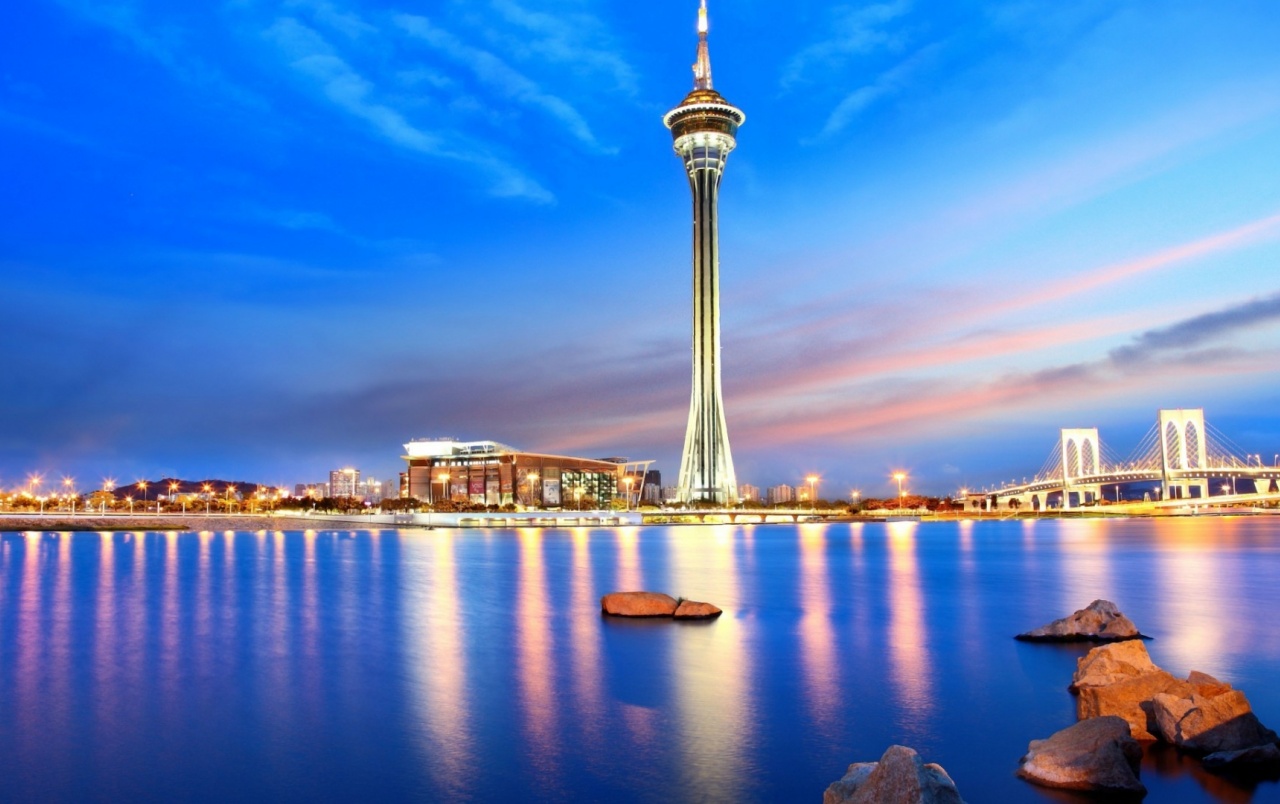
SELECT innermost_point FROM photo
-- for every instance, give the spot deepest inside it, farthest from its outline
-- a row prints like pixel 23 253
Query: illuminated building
pixel 490 473
pixel 344 483
pixel 749 493
pixel 704 126
pixel 781 494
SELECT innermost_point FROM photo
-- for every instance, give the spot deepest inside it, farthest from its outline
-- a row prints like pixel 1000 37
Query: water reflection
pixel 817 636
pixel 909 660
pixel 711 667
pixel 438 662
pixel 535 659
pixel 454 665
pixel 1085 561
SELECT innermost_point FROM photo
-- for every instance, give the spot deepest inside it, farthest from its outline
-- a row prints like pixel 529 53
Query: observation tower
pixel 704 126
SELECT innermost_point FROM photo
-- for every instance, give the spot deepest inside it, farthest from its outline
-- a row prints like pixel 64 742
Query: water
pixel 474 665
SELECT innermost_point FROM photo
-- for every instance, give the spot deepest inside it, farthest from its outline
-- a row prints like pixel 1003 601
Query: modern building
pixel 490 473
pixel 704 126
pixel 781 494
pixel 344 483
pixel 749 493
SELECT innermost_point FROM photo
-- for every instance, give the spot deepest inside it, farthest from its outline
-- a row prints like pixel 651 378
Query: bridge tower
pixel 1081 457
pixel 1183 449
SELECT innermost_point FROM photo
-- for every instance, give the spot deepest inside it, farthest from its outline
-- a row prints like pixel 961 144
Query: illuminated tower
pixel 704 125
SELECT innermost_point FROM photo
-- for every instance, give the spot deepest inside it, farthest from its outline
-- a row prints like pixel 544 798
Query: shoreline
pixel 195 523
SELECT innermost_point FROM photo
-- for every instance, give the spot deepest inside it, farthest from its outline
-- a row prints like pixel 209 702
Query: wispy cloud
pixel 888 83
pixel 1152 359
pixel 1199 330
pixel 499 76
pixel 167 43
pixel 314 57
pixel 566 37
pixel 854 31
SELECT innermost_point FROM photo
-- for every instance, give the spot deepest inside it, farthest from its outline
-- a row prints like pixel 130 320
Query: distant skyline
pixel 269 239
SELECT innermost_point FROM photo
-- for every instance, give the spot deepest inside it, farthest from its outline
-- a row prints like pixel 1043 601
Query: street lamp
pixel 813 500
pixel 109 486
pixel 230 488
pixel 531 480
pixel 130 500
pixel 443 477
pixel 899 476
pixel 208 495
pixel 855 496
pixel 173 491
pixel 628 481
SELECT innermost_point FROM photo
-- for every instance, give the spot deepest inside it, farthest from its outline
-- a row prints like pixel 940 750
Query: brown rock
pixel 638 604
pixel 1130 698
pixel 1108 664
pixel 1207 685
pixel 693 610
pixel 1096 754
pixel 1204 725
pixel 1100 621
pixel 900 777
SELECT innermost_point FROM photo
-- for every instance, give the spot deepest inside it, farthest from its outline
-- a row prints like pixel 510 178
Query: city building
pixel 344 483
pixel 704 126
pixel 749 493
pixel 490 473
pixel 781 494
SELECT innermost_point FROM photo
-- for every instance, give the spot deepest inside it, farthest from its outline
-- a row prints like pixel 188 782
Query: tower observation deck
pixel 704 126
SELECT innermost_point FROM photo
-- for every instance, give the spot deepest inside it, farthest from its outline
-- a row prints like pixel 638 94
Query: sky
pixel 265 239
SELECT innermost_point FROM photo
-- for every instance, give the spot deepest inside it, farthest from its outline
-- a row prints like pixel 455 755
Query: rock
pixel 1100 621
pixel 1108 664
pixel 638 604
pixel 1130 699
pixel 1208 725
pixel 1096 754
pixel 1207 685
pixel 900 777
pixel 1259 757
pixel 693 610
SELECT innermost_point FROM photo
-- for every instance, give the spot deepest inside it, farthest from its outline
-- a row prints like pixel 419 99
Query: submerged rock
pixel 1264 758
pixel 1204 724
pixel 693 610
pixel 1097 754
pixel 900 777
pixel 638 604
pixel 1100 621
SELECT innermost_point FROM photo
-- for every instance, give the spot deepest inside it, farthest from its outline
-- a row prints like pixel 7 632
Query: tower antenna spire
pixel 702 68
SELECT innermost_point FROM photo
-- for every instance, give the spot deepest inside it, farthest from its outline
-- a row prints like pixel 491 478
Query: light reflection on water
pixel 465 665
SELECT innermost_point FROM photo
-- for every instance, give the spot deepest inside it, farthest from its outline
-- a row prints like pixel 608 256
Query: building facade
pixel 344 483
pixel 490 473
pixel 781 494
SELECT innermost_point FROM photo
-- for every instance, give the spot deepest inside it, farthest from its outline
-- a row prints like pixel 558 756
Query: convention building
pixel 490 473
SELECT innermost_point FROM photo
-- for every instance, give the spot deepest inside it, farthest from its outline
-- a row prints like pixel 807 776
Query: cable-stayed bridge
pixel 1181 461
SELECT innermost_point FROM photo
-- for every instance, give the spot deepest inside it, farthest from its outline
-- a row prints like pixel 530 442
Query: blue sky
pixel 266 239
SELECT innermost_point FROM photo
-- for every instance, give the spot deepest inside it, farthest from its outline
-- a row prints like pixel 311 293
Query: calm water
pixel 452 665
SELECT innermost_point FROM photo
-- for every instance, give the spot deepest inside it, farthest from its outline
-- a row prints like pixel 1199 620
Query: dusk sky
pixel 261 240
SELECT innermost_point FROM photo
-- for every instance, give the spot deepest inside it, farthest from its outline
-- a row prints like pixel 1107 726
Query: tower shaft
pixel 706 465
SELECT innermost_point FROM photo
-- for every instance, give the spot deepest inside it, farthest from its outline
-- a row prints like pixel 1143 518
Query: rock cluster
pixel 1124 699
pixel 1100 621
pixel 1199 714
pixel 900 777
pixel 655 604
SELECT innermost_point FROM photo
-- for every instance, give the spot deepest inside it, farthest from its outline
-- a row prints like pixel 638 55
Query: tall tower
pixel 704 125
